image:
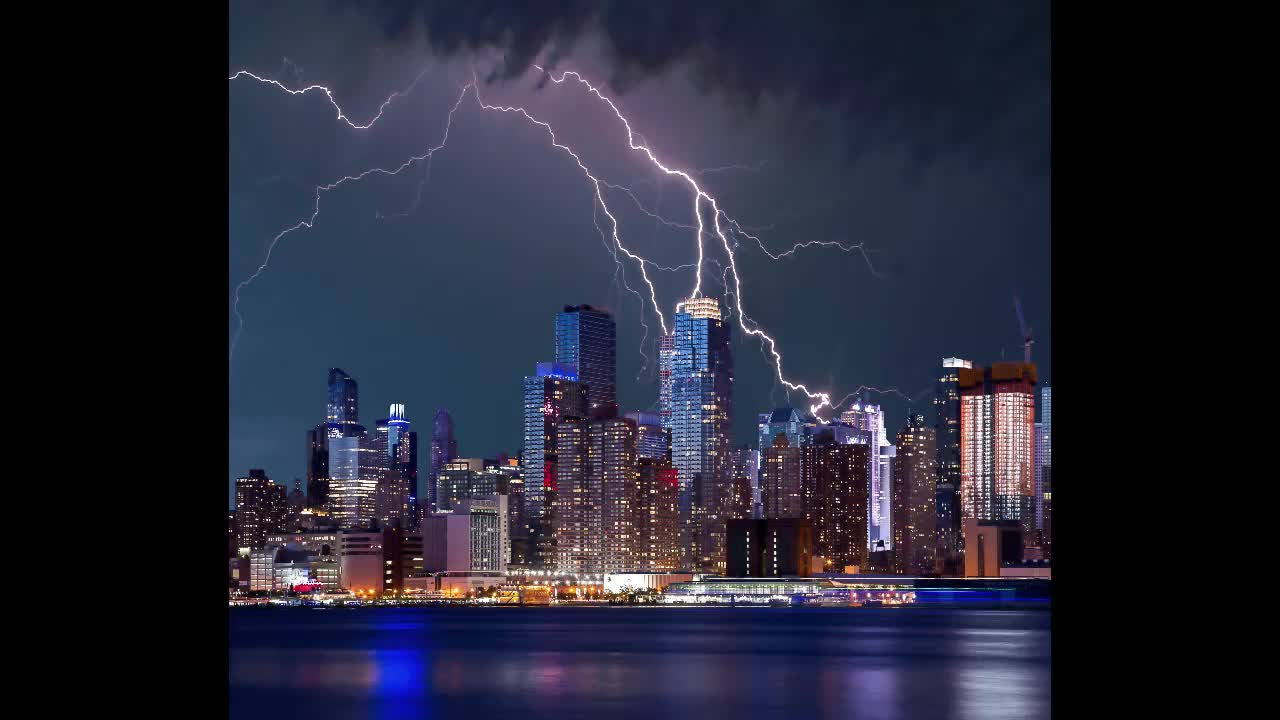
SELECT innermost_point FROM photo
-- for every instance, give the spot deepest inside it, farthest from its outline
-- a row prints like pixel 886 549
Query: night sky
pixel 922 133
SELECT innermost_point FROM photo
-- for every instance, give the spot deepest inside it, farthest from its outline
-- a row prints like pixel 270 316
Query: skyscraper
pixel 867 419
pixel 781 494
pixel 458 482
pixel 586 338
pixel 576 501
pixel 403 450
pixel 553 393
pixel 393 507
pixel 344 403
pixel 444 447
pixel 997 443
pixel 744 481
pixel 613 458
pixel 317 467
pixel 701 407
pixel 652 439
pixel 946 406
pixel 914 495
pixel 354 480
pixel 656 516
pixel 834 480
pixel 260 508
pixel 1044 449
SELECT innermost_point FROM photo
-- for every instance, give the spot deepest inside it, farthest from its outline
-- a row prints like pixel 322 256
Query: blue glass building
pixel 701 367
pixel 586 339
pixel 551 394
pixel 344 402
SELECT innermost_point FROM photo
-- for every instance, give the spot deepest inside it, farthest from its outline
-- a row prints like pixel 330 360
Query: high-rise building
pixel 394 507
pixel 295 504
pixel 914 494
pixel 471 537
pixel 586 338
pixel 656 517
pixel 796 425
pixel 769 548
pixel 867 420
pixel 444 447
pixel 997 443
pixel 666 359
pixel 653 440
pixel 1044 448
pixel 834 481
pixel 744 481
pixel 701 408
pixel 946 424
pixel 344 404
pixel 400 445
pixel 353 486
pixel 781 494
pixel 577 499
pixel 459 481
pixel 260 508
pixel 553 393
pixel 317 467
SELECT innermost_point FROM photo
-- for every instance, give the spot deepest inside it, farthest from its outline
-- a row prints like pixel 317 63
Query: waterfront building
pixel 997 444
pixel 586 338
pixel 914 486
pixel 769 548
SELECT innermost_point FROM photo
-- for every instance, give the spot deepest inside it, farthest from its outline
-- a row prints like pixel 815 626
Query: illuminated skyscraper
pixel 666 357
pixel 997 444
pixel 344 402
pixel 701 408
pixel 393 506
pixel 586 338
pixel 459 481
pixel 781 494
pixel 353 484
pixel 261 506
pixel 914 495
pixel 656 517
pixel 652 440
pixel 317 467
pixel 946 424
pixel 444 447
pixel 868 418
pixel 554 392
pixel 834 479
pixel 597 484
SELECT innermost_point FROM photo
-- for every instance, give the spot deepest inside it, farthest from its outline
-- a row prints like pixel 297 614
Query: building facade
pixel 834 481
pixel 652 439
pixel 997 443
pixel 914 494
pixel 261 507
pixel 769 548
pixel 586 338
pixel 946 425
pixel 444 447
pixel 553 393
pixel 781 494
pixel 656 516
pixel 701 407
pixel 343 411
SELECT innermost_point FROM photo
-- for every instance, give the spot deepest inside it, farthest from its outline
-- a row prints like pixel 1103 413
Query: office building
pixel 834 482
pixel 744 470
pixel 378 562
pixel 797 426
pixel 1044 457
pixel 473 537
pixel 586 338
pixel 444 448
pixel 261 506
pixel 394 506
pixel 914 486
pixel 769 548
pixel 990 544
pixel 946 424
pixel 343 413
pixel 655 514
pixel 652 439
pixel 458 480
pixel 317 467
pixel 701 408
pixel 997 443
pixel 577 502
pixel 553 393
pixel 353 481
pixel 866 420
pixel 781 494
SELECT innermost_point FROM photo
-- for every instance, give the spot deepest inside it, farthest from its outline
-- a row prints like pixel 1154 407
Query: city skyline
pixel 949 238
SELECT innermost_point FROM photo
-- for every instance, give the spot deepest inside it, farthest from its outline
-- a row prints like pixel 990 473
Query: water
pixel 620 663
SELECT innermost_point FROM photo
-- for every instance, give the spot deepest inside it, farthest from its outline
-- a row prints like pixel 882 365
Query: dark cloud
pixel 936 77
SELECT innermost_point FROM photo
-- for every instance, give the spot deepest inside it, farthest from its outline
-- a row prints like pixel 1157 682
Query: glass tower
pixel 701 365
pixel 551 394
pixel 586 338
pixel 444 448
pixel 344 403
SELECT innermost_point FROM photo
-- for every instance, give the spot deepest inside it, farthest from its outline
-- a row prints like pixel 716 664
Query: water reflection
pixel 639 663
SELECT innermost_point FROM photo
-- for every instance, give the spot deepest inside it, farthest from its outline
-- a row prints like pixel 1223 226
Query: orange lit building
pixel 997 443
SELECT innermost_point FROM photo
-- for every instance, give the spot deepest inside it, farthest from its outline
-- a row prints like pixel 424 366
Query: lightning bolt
pixel 329 94
pixel 320 190
pixel 701 199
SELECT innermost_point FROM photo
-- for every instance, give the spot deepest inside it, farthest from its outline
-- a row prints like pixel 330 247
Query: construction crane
pixel 1026 331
